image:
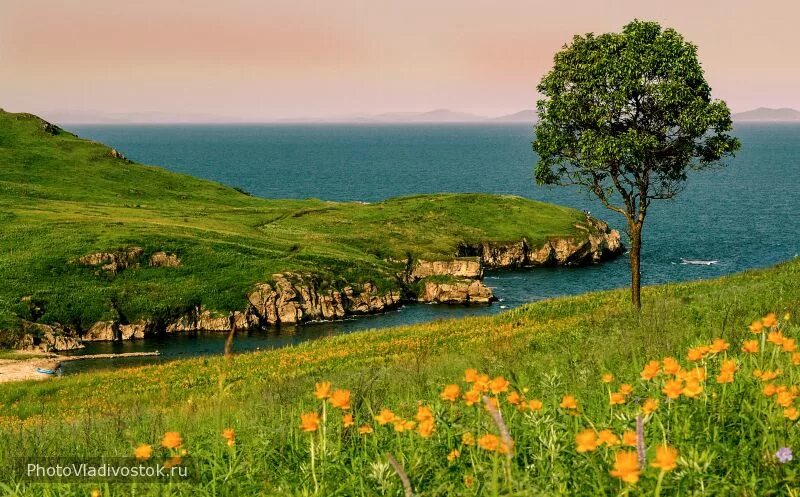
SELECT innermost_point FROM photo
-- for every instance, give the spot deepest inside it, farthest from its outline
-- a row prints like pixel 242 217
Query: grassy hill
pixel 726 435
pixel 62 197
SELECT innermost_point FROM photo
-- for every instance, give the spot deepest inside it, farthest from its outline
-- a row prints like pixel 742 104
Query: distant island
pixel 767 114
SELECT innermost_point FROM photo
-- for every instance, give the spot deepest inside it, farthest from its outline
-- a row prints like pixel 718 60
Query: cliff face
pixel 293 298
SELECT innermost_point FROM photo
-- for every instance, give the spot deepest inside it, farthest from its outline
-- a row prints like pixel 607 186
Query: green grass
pixel 726 437
pixel 62 197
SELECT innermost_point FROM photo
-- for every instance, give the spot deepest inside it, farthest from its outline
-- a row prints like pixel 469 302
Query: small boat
pixel 698 262
pixel 45 371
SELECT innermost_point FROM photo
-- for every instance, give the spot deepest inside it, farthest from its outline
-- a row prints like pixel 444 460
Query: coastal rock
pixel 134 331
pixel 163 259
pixel 117 155
pixel 102 331
pixel 113 262
pixel 457 292
pixel 460 268
pixel 45 338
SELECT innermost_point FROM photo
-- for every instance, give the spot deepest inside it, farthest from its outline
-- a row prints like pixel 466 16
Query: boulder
pixel 163 259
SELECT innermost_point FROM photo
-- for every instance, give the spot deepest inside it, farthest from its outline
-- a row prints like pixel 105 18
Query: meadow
pixel 545 399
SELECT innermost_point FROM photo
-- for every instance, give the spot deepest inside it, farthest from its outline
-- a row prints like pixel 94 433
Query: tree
pixel 626 116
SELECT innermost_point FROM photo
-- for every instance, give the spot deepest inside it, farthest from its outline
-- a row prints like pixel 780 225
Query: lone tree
pixel 626 116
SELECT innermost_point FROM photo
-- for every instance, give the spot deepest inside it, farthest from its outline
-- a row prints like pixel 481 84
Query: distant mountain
pixel 142 117
pixel 432 116
pixel 523 116
pixel 767 114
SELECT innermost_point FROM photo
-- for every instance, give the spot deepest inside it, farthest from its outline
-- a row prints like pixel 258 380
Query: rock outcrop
pixel 38 337
pixel 457 292
pixel 460 268
pixel 113 262
pixel 601 243
pixel 163 259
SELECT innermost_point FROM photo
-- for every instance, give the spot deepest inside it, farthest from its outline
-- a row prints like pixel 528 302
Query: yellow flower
pixel 791 413
pixel 340 399
pixel 607 378
pixel 96 493
pixel 750 346
pixel 309 421
pixel 787 317
pixel 650 370
pixel 629 438
pixel 671 365
pixel 586 441
pixel 608 437
pixel 468 439
pixel 616 398
pixel 471 375
pixel 756 326
pixel 568 402
pixel 626 467
pixel 171 440
pixel 229 435
pixel 472 397
pixel 650 406
pixel 489 442
pixel 719 345
pixel 498 385
pixel 364 429
pixel 692 389
pixel 673 389
pixel 322 390
pixel 143 452
pixel 666 458
pixel 514 398
pixel 535 405
pixel 347 420
pixel 386 416
pixel 450 393
pixel 770 320
pixel 453 455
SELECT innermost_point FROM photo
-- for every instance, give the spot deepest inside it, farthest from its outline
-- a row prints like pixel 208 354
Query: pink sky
pixel 266 59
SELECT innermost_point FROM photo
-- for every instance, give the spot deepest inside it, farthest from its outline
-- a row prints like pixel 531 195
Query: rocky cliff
pixel 293 298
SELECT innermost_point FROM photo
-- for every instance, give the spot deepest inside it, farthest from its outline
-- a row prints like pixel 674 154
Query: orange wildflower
pixel 498 385
pixel 625 389
pixel 673 389
pixel 535 405
pixel 143 452
pixel 650 370
pixel 171 440
pixel 426 428
pixel 784 398
pixel 401 425
pixel 692 389
pixel 364 429
pixel 481 383
pixel 568 402
pixel 347 420
pixel 697 353
pixel 472 397
pixel 489 442
pixel 471 375
pixel 340 399
pixel 385 417
pixel 626 467
pixel 788 345
pixel 450 393
pixel 608 437
pixel 725 377
pixel 770 320
pixel 607 378
pixel 791 413
pixel 423 414
pixel 453 455
pixel 671 365
pixel 769 389
pixel 796 358
pixel 616 398
pixel 629 438
pixel 322 390
pixel 775 337
pixel 229 435
pixel 586 441
pixel 650 406
pixel 468 439
pixel 666 458
pixel 719 345
pixel 514 398
pixel 750 346
pixel 756 326
pixel 728 366
pixel 309 421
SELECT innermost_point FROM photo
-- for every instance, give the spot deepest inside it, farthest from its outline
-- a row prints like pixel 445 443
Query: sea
pixel 743 215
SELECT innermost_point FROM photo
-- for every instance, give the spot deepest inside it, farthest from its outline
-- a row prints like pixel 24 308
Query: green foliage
pixel 62 197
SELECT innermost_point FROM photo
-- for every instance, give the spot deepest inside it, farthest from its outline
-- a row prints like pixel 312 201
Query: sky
pixel 261 60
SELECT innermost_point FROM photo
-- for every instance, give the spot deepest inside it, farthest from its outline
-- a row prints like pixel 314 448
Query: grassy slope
pixel 554 347
pixel 62 197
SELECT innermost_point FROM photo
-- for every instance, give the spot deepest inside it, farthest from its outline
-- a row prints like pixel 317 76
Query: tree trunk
pixel 229 340
pixel 636 257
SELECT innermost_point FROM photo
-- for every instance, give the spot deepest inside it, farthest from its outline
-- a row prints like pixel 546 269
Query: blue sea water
pixel 744 215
